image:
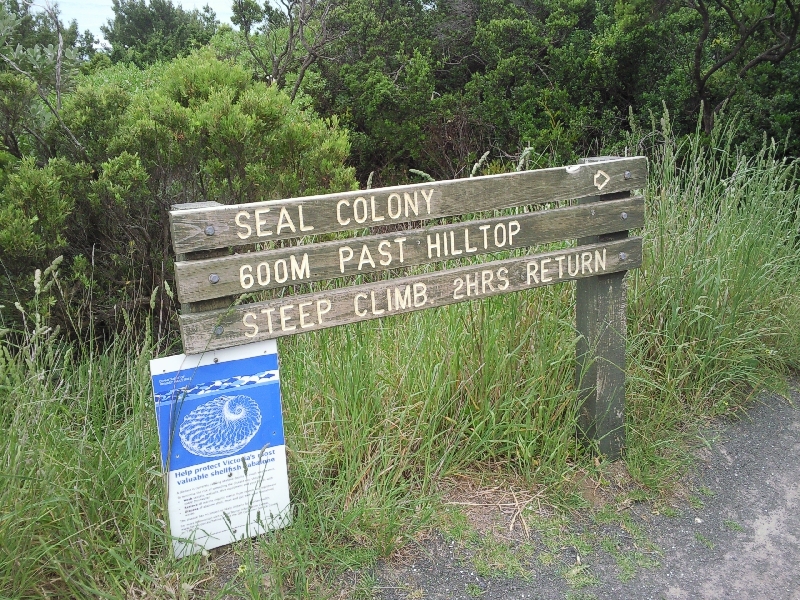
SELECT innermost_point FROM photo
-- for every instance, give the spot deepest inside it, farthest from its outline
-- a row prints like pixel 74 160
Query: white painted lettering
pixel 345 255
pixel 560 260
pixel 253 326
pixel 412 204
pixel 502 275
pixel 243 214
pixel 259 222
pixel 432 246
pixel 420 294
pixel 363 202
pixel 484 229
pixel 467 247
pixel 402 297
pixel 453 250
pixel 499 242
pixel 360 313
pixel 427 197
pixel 569 265
pixel 303 315
pixel 393 214
pixel 486 279
pixel 513 229
pixel 281 264
pixel 388 260
pixel 375 215
pixel 303 226
pixel 268 312
pixel 399 242
pixel 339 212
pixel 533 268
pixel 586 262
pixel 285 221
pixel 543 269
pixel 366 258
pixel 472 286
pixel 246 276
pixel 263 279
pixel 323 311
pixel 286 318
pixel 375 310
pixel 302 270
pixel 459 284
pixel 599 262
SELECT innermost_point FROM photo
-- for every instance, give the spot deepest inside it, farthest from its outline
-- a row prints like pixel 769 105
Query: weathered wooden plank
pixel 309 312
pixel 201 305
pixel 203 229
pixel 240 273
pixel 600 369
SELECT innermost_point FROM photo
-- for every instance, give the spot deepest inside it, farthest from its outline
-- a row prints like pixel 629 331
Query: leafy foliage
pixel 147 31
pixel 113 139
pixel 198 130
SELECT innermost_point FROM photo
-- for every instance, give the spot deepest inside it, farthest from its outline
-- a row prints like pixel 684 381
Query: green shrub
pixel 195 129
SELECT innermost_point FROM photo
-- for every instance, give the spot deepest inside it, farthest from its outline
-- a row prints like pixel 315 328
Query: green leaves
pixel 196 129
pixel 144 33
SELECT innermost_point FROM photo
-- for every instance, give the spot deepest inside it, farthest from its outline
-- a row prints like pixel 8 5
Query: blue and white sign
pixel 222 445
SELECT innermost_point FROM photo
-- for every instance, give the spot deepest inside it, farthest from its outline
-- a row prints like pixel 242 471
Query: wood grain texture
pixel 204 229
pixel 600 307
pixel 268 269
pixel 202 304
pixel 330 308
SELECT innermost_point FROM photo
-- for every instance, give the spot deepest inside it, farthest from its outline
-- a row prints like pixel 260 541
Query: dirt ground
pixel 735 534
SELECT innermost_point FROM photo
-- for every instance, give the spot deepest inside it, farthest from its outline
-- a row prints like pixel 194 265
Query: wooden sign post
pixel 600 315
pixel 605 211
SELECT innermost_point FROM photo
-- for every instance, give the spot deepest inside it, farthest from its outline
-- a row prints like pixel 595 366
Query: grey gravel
pixel 738 538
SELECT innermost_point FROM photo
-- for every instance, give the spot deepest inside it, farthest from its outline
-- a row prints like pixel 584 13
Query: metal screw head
pixel 623 256
pixel 214 278
pixel 218 330
pixel 624 216
pixel 628 175
pixel 210 230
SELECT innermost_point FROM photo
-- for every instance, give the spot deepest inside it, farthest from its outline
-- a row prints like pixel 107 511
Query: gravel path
pixel 737 537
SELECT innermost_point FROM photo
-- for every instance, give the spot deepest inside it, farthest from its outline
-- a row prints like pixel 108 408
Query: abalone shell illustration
pixel 221 426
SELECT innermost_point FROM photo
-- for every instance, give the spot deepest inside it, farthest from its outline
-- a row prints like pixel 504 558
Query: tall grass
pixel 377 414
pixel 715 308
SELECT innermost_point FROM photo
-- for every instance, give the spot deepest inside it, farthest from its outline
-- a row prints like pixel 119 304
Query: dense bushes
pixel 196 129
pixel 90 163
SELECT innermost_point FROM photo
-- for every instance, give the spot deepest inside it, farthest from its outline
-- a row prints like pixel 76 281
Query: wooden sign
pixel 241 273
pixel 208 228
pixel 330 308
pixel 599 221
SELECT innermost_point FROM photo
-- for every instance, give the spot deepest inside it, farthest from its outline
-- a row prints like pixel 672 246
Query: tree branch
pixel 43 97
